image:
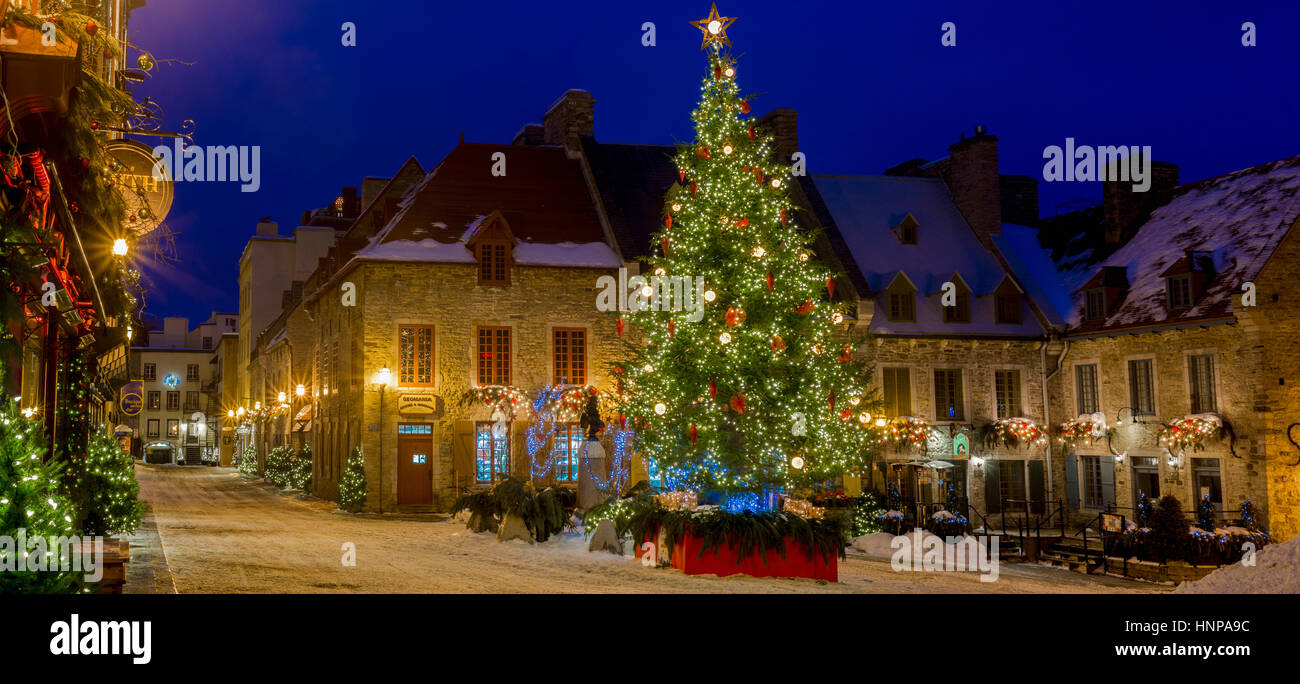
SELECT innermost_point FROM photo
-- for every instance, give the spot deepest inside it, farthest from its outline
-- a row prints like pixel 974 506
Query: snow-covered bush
pixel 279 466
pixel 352 488
pixel 248 461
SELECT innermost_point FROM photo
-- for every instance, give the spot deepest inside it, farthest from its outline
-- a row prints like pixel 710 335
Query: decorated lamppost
pixel 382 378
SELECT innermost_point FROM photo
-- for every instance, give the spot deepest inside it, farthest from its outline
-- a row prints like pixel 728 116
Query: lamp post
pixel 382 378
pixel 298 393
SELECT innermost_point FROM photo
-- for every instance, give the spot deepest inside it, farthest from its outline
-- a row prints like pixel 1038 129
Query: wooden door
pixel 415 469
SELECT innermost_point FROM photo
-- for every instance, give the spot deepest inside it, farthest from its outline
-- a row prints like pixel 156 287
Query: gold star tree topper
pixel 714 28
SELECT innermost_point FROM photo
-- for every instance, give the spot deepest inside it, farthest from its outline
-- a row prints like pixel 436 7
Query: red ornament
pixel 734 316
pixel 770 281
pixel 713 389
pixel 702 152
pixel 751 132
pixel 805 308
pixel 622 421
pixel 717 72
pixel 681 173
pixel 738 403
pixel 831 398
pixel 85 163
pixel 672 328
pixel 846 354
pixel 694 433
pixel 665 246
pixel 846 414
pixel 692 188
pixel 758 173
pixel 74 207
pixel 784 216
pixel 94 125
pixel 91 29
pixel 744 107
pixel 742 223
pixel 619 326
pixel 830 287
pixel 778 344
pixel 668 221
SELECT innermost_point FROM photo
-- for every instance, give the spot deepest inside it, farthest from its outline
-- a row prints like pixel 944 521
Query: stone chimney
pixel 530 134
pixel 783 124
pixel 1124 211
pixel 267 228
pixel 351 203
pixel 973 180
pixel 370 186
pixel 571 117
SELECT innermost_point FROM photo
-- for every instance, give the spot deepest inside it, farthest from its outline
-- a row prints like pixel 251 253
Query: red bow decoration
pixel 734 317
pixel 805 308
pixel 778 344
pixel 744 107
pixel 742 223
pixel 668 221
pixel 738 403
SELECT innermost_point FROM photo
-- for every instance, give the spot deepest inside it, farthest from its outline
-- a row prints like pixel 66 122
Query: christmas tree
pixel 352 488
pixel 30 502
pixel 102 486
pixel 750 387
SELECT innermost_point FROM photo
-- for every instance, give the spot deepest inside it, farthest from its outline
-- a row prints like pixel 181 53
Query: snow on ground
pixel 221 534
pixel 1276 571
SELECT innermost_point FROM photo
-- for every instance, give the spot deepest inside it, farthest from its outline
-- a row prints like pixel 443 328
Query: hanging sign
pixel 148 195
pixel 960 445
pixel 132 398
pixel 417 403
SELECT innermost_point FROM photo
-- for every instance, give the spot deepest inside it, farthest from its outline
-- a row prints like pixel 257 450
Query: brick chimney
pixel 783 124
pixel 973 180
pixel 351 203
pixel 267 228
pixel 530 134
pixel 1124 211
pixel 571 117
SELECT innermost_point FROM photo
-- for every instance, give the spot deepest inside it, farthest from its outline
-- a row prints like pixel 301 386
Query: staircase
pixel 1072 553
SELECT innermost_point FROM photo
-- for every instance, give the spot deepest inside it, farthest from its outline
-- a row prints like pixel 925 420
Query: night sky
pixel 870 80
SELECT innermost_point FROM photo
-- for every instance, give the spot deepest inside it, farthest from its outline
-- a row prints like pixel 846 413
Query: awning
pixel 302 421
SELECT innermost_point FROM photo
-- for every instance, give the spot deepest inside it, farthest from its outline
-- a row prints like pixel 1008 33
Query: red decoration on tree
pixel 702 152
pixel 846 354
pixel 692 188
pixel 717 72
pixel 758 173
pixel 619 326
pixel 770 281
pixel 744 107
pixel 672 328
pixel 742 223
pixel 778 344
pixel 668 221
pixel 734 316
pixel 806 308
pixel 681 173
pixel 94 125
pixel 831 398
pixel 738 403
pixel 784 216
pixel 694 433
pixel 91 29
pixel 830 287
pixel 751 132
pixel 846 414
pixel 665 246
pixel 713 389
pixel 85 163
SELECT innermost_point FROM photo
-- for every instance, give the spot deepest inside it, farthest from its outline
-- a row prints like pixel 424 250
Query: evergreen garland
pixel 352 488
pixel 747 532
pixel 103 488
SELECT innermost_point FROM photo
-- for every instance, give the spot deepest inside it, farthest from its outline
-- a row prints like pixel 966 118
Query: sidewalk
pixel 147 572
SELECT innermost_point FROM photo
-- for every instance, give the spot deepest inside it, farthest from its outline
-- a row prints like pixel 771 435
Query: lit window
pixel 491 452
pixel 570 356
pixel 568 450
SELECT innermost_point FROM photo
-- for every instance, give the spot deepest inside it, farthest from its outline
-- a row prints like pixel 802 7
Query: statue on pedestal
pixel 593 470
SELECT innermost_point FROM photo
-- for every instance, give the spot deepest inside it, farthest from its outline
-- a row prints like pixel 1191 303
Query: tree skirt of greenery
pixel 747 532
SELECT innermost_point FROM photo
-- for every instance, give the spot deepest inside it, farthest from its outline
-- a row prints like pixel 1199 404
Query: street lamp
pixel 119 247
pixel 280 398
pixel 382 378
pixel 300 391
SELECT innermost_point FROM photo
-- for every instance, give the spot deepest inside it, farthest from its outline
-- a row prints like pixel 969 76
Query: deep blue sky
pixel 870 80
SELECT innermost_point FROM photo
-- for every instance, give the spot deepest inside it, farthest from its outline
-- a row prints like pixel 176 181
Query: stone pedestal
pixel 592 471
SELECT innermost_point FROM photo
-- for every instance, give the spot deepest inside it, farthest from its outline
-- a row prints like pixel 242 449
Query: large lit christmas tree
pixel 762 392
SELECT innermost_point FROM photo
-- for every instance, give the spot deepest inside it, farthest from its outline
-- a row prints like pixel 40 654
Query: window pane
pixel 1085 382
pixel 1007 390
pixel 1141 395
pixel 948 395
pixel 898 391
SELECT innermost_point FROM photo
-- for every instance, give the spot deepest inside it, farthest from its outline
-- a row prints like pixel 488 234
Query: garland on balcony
pixel 908 431
pixel 1191 432
pixel 1072 431
pixel 1013 433
pixel 508 399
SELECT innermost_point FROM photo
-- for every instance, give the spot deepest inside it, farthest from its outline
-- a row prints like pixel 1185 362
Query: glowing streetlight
pixel 383 377
pixel 230 413
pixel 301 390
pixel 119 247
pixel 281 397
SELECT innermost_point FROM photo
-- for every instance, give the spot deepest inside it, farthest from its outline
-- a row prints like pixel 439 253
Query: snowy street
pixel 221 534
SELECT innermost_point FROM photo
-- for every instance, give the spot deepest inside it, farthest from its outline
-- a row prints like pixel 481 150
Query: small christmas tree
pixel 1145 508
pixel 1205 514
pixel 248 461
pixel 30 503
pixel 352 488
pixel 103 488
pixel 1169 538
pixel 300 477
pixel 741 382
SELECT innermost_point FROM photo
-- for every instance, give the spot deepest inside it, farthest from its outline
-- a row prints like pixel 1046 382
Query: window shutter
pixel 1072 480
pixel 462 451
pixel 1107 480
pixel 1037 487
pixel 992 488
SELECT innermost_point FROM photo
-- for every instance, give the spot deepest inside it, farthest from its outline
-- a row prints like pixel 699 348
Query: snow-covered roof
pixel 1239 218
pixel 865 210
pixel 565 254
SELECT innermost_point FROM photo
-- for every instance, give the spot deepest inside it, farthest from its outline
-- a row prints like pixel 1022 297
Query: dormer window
pixel 1094 308
pixel 493 263
pixel 906 230
pixel 1179 291
pixel 959 312
pixel 902 300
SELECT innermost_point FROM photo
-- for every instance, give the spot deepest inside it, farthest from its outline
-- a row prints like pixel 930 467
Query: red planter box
pixel 723 562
